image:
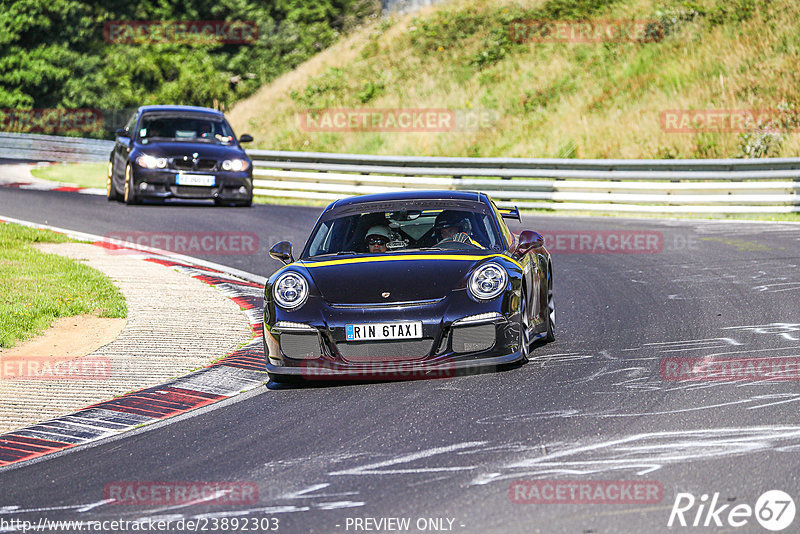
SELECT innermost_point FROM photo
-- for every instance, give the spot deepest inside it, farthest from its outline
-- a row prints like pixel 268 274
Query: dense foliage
pixel 55 54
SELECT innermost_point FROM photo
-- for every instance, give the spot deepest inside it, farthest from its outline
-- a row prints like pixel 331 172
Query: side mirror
pixel 246 138
pixel 282 252
pixel 528 240
pixel 121 133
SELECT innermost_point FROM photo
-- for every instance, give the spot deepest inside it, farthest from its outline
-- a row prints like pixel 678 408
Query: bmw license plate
pixel 374 331
pixel 195 179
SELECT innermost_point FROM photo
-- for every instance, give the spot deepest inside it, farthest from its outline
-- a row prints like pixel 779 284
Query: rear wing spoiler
pixel 510 213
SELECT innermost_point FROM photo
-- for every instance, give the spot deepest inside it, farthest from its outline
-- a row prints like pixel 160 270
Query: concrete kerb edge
pixel 239 372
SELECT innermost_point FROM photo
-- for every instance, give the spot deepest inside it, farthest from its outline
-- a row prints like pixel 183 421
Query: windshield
pixel 377 232
pixel 183 128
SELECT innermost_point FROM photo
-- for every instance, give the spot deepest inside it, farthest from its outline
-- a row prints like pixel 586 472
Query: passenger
pixel 377 238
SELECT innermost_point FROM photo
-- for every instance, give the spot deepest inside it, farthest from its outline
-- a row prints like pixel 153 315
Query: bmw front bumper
pixel 159 184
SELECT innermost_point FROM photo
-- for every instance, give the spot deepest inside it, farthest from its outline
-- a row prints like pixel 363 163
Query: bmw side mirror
pixel 282 252
pixel 529 240
pixel 246 138
pixel 121 133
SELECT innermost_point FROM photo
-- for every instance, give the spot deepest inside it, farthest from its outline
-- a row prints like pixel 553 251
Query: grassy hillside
pixel 586 100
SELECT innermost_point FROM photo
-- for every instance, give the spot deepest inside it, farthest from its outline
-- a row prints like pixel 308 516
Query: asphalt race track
pixel 591 406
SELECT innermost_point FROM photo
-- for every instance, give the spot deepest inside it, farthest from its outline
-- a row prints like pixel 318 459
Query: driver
pixel 204 130
pixel 453 226
pixel 377 238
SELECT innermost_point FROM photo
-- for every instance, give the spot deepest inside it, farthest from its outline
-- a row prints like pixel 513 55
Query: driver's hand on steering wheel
pixel 461 237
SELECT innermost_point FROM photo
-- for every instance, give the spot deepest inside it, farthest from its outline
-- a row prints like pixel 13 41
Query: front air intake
pixel 473 338
pixel 385 351
pixel 300 346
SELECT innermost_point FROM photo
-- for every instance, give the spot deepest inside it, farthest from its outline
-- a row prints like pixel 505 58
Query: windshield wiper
pixel 343 252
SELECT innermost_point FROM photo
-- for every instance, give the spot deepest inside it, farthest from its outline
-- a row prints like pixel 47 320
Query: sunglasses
pixel 377 241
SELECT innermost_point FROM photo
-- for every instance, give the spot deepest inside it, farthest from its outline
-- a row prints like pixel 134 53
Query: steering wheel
pixel 448 244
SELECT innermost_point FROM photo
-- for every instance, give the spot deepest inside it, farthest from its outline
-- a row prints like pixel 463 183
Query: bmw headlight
pixel 234 165
pixel 151 162
pixel 488 281
pixel 290 290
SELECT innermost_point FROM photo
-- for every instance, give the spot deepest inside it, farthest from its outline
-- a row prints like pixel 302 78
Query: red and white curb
pixel 54 186
pixel 241 370
pixel 18 176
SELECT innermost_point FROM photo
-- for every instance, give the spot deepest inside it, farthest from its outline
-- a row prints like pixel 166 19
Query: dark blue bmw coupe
pixel 407 285
pixel 179 152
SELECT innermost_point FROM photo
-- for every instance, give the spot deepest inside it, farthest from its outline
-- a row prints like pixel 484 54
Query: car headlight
pixel 290 290
pixel 234 165
pixel 151 162
pixel 488 281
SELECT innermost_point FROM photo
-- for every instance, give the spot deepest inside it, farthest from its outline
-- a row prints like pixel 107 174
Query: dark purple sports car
pixel 407 284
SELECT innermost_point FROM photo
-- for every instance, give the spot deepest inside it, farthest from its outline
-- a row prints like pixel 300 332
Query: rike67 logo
pixel 774 510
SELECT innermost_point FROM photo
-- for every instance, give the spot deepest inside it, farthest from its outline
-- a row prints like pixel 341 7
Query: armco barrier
pixel 673 186
pixel 768 185
pixel 53 148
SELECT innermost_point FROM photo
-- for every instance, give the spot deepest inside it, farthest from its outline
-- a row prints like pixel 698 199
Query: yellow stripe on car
pixel 407 257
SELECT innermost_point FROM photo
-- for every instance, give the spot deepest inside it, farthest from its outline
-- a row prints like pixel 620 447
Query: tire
pixel 524 328
pixel 551 307
pixel 111 192
pixel 285 379
pixel 243 204
pixel 130 193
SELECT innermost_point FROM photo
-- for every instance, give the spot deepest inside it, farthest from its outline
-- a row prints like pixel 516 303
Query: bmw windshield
pixel 192 128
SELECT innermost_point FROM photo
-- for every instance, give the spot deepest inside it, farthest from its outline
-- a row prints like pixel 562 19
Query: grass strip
pixel 36 288
pixel 80 174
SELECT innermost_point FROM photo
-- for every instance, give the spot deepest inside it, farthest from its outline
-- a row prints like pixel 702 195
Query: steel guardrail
pixel 768 185
pixel 38 147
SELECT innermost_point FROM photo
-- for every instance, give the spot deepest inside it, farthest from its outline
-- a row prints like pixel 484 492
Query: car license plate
pixel 375 331
pixel 195 179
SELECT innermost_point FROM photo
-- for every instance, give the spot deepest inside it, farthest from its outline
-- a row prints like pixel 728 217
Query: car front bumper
pixel 159 184
pixel 315 345
pixel 329 370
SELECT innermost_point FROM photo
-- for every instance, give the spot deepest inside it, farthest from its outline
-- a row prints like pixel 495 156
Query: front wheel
pixel 285 379
pixel 551 307
pixel 524 328
pixel 240 204
pixel 111 191
pixel 130 193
